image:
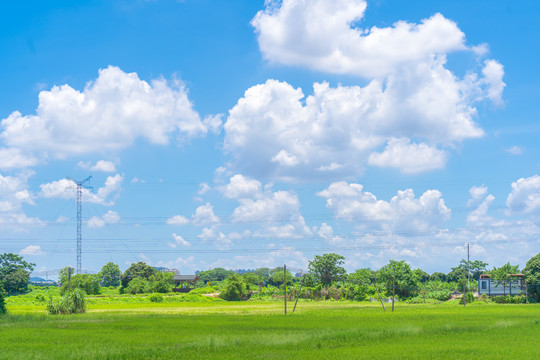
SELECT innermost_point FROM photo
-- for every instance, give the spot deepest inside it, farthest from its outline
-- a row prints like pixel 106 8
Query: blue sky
pixel 248 133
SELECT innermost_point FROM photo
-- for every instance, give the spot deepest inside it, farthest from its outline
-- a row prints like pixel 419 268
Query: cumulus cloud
pixel 322 35
pixel 14 193
pixel 204 215
pixel 66 189
pixel 109 114
pixel 241 187
pixel 110 217
pixel 11 158
pixel 178 241
pixel 101 165
pixel 178 220
pixel 404 212
pixel 333 133
pixel 525 196
pixel 32 250
pixel 410 158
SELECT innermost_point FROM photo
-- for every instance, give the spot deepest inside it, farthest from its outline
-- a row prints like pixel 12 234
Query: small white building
pixel 488 286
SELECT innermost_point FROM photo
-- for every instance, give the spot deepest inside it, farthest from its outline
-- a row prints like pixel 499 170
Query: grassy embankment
pixel 258 330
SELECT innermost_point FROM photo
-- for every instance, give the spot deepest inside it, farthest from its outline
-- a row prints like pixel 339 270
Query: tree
pixel 276 277
pixel 264 273
pixel 161 282
pixel 65 274
pixel 234 288
pixel 532 277
pixel 252 278
pixel 217 274
pixel 110 275
pixel 501 274
pixel 400 274
pixel 327 268
pixel 437 276
pixel 475 267
pixel 421 275
pixel 14 273
pixel 139 269
pixel 3 309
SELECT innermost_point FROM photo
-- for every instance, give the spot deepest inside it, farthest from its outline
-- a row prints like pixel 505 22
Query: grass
pixel 258 330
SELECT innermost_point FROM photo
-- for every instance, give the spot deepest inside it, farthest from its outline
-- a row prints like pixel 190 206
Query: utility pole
pixel 468 269
pixel 69 278
pixel 299 292
pixel 79 186
pixel 394 289
pixel 285 286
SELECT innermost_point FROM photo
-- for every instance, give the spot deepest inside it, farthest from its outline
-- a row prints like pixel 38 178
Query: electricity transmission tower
pixel 80 186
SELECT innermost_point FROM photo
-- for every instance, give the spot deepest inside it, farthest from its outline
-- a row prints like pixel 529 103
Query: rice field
pixel 259 330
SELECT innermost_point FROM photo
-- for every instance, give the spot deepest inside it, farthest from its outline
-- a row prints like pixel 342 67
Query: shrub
pixel 468 296
pixel 40 298
pixel 73 302
pixel 203 290
pixel 234 289
pixel 156 298
pixel 137 286
pixel 3 309
pixel 509 299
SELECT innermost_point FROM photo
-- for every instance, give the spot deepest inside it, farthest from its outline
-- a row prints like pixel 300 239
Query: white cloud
pixel 493 73
pixel 110 217
pixel 327 233
pixel 178 241
pixel 515 150
pixel 66 189
pixel 404 212
pixel 409 158
pixel 101 165
pixel 525 196
pixel 272 207
pixel 32 250
pixel 477 193
pixel 178 220
pixel 204 215
pixel 11 158
pixel 14 194
pixel 323 35
pixel 203 188
pixel 333 132
pixel 241 187
pixel 109 114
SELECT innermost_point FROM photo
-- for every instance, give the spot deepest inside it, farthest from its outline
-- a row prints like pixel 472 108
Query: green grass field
pixel 259 330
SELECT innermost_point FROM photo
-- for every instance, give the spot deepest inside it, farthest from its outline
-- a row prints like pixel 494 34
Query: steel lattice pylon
pixel 80 186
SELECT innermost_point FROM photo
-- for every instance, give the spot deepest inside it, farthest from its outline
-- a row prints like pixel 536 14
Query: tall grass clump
pixel 73 302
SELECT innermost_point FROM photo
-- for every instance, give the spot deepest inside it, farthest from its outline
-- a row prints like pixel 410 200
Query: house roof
pixel 185 278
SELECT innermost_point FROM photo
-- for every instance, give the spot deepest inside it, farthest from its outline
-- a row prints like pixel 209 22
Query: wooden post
pixel 297 297
pixel 69 278
pixel 285 286
pixel 394 289
pixel 379 295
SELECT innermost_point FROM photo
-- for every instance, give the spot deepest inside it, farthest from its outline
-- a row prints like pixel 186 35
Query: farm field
pixel 259 330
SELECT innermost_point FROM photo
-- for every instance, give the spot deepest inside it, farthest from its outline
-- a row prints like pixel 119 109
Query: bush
pixel 509 299
pixel 73 302
pixel 40 298
pixel 234 289
pixel 137 286
pixel 468 296
pixel 3 309
pixel 156 298
pixel 203 290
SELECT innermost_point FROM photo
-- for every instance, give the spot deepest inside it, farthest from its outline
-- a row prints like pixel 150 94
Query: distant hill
pixel 38 280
